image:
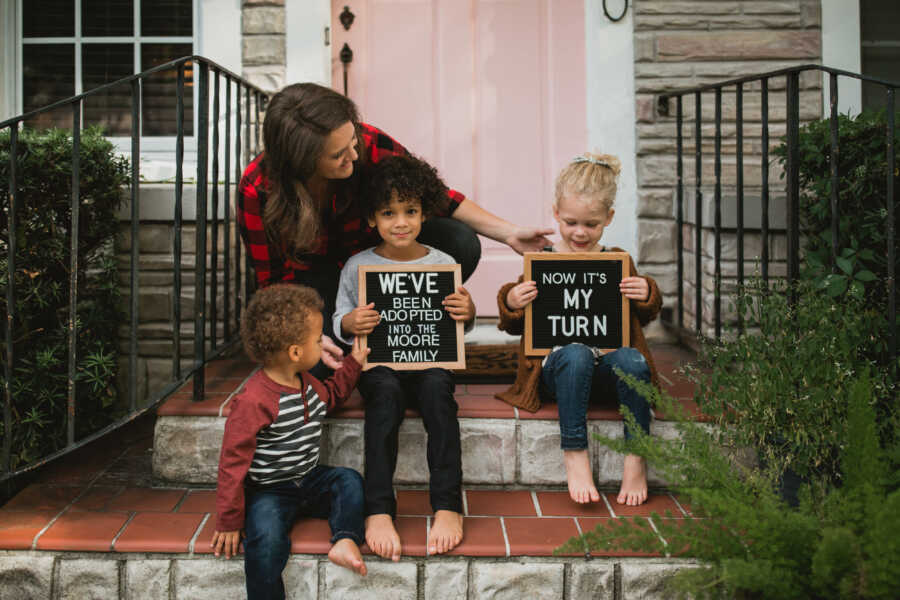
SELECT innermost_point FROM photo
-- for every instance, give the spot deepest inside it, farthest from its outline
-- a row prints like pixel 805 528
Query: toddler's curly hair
pixel 278 316
pixel 411 177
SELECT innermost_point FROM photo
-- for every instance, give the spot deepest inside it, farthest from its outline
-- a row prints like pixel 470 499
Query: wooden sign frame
pixel 531 257
pixel 460 362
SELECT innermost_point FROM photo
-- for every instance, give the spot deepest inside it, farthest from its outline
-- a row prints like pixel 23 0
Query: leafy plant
pixel 42 273
pixel 841 541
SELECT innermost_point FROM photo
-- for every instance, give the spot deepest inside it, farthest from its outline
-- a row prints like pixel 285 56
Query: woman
pixel 298 207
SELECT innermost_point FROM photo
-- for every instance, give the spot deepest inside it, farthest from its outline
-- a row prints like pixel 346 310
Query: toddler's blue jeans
pixel 573 376
pixel 333 493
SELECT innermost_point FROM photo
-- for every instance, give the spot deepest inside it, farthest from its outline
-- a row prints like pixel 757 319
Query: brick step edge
pixel 30 574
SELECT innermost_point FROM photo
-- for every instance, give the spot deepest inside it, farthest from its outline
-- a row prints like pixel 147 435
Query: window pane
pixel 48 75
pixel 48 18
pixel 883 63
pixel 107 17
pixel 104 63
pixel 880 20
pixel 160 89
pixel 167 17
pixel 880 37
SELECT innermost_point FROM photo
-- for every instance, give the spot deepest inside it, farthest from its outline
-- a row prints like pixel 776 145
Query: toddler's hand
pixel 361 320
pixel 227 541
pixel 357 351
pixel 521 295
pixel 635 288
pixel 460 306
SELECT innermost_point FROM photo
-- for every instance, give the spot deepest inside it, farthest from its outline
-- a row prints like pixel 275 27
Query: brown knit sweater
pixel 524 392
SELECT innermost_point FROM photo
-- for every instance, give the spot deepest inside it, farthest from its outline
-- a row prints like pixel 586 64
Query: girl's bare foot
pixel 382 537
pixel 634 481
pixel 446 532
pixel 345 553
pixel 581 480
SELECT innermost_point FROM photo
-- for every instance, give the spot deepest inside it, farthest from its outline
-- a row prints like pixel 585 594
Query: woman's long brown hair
pixel 298 120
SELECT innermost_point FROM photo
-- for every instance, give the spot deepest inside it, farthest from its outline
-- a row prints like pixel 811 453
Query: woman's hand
pixel 528 239
pixel 225 541
pixel 357 351
pixel 460 306
pixel 635 288
pixel 332 355
pixel 521 295
pixel 361 320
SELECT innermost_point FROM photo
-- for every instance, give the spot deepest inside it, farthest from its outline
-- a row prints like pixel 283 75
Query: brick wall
pixel 679 45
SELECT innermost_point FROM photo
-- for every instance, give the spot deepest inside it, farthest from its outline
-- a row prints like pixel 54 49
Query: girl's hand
pixel 460 306
pixel 357 351
pixel 332 355
pixel 521 295
pixel 635 288
pixel 361 320
pixel 227 541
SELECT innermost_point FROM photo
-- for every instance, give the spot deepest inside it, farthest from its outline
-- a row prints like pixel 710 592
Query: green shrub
pixel 40 370
pixel 783 389
pixel 841 541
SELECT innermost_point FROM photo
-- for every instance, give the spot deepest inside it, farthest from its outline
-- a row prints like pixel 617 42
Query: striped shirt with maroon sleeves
pixel 341 237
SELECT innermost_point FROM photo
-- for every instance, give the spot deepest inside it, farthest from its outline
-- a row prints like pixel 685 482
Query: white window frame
pixel 122 143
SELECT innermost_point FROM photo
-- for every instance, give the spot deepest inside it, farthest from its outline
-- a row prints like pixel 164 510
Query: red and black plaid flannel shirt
pixel 340 238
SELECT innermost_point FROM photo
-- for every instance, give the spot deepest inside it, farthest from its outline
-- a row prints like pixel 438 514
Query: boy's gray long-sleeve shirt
pixel 348 288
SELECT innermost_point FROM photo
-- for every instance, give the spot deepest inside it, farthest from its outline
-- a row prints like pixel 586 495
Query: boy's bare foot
pixel 581 480
pixel 382 537
pixel 345 553
pixel 446 532
pixel 634 481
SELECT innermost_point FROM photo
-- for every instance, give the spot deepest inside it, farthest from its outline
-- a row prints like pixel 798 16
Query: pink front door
pixel 492 92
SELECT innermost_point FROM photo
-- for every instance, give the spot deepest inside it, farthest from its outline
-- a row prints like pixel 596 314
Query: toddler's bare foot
pixel 634 481
pixel 382 537
pixel 446 532
pixel 345 553
pixel 581 480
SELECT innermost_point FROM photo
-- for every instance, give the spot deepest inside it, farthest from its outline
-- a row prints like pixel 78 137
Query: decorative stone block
pixel 147 579
pixel 26 576
pixel 263 50
pixel 88 578
pixel 186 449
pixel 540 457
pixel 609 464
pixel 262 19
pixel 301 579
pixel 656 241
pixel 648 580
pixel 270 78
pixel 737 45
pixel 488 450
pixel 446 580
pixel 665 275
pixel 343 445
pixel 397 581
pixel 412 465
pixel 592 580
pixel 209 579
pixel 655 203
pixel 513 581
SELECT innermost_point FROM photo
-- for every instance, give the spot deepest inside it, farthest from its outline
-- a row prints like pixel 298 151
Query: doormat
pixel 489 363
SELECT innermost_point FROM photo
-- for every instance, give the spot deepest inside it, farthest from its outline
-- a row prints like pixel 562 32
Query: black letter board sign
pixel 578 300
pixel 415 332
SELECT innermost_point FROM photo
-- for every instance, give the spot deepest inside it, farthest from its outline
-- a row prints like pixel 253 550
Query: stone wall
pixel 156 300
pixel 263 43
pixel 681 44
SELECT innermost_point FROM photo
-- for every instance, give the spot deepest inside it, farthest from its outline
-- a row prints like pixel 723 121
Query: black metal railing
pixel 205 349
pixel 792 187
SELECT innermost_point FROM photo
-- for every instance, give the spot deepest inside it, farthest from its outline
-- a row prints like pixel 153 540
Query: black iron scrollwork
pixel 612 18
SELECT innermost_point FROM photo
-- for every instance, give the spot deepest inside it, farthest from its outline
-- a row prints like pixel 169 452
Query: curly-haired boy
pixel 268 468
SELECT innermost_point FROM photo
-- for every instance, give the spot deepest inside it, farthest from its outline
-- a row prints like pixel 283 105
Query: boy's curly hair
pixel 278 316
pixel 411 177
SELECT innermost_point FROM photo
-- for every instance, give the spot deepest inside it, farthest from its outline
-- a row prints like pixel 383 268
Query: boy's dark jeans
pixel 572 376
pixel 333 493
pixel 387 394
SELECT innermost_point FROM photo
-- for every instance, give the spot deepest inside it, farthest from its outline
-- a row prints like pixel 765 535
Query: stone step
pixel 501 445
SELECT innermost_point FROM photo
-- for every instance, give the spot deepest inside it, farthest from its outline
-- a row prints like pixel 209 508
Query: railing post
pixel 238 173
pixel 248 283
pixel 698 212
pixel 764 172
pixel 135 238
pixel 891 219
pixel 739 181
pixel 679 215
pixel 793 180
pixel 200 237
pixel 835 154
pixel 717 284
pixel 176 251
pixel 214 259
pixel 73 271
pixel 226 283
pixel 12 217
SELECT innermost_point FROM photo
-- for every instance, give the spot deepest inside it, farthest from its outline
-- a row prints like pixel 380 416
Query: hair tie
pixel 593 161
